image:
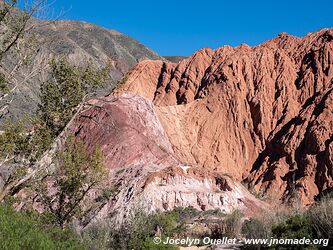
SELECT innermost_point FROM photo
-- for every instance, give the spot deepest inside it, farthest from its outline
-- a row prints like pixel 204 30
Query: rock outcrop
pixel 261 114
pixel 187 133
pixel 144 170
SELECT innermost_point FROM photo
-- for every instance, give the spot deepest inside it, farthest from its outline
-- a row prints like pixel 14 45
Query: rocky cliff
pixel 187 133
pixel 144 169
pixel 262 114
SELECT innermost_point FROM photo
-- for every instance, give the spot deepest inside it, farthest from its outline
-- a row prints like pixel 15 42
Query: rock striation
pixel 144 169
pixel 258 115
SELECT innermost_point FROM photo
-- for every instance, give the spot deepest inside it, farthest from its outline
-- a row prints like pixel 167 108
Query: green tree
pixel 14 145
pixel 16 49
pixel 77 173
pixel 61 97
pixel 67 88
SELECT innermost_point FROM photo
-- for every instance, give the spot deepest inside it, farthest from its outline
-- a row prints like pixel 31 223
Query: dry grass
pixel 321 218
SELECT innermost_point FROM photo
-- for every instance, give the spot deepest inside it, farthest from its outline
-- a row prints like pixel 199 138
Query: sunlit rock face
pixel 171 132
pixel 144 169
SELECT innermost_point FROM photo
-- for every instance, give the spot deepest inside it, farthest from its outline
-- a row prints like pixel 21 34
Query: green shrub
pixel 3 84
pixel 143 228
pixel 77 173
pixel 13 140
pixel 296 227
pixel 315 223
pixel 183 214
pixel 23 230
pixel 255 228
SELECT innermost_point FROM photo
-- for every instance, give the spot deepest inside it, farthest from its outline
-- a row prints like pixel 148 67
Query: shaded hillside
pixel 81 43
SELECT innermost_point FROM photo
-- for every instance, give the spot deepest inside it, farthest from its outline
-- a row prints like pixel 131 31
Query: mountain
pixel 175 59
pixel 80 42
pixel 188 134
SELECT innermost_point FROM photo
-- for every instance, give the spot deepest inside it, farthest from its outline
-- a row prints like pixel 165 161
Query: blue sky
pixel 176 27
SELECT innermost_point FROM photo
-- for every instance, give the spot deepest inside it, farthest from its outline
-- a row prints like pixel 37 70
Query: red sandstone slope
pixel 144 169
pixel 262 114
pixel 187 134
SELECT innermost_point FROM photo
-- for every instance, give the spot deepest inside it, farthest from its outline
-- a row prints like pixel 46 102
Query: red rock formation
pixel 262 115
pixel 144 168
pixel 128 131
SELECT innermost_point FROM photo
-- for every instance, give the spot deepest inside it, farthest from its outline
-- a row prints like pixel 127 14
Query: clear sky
pixel 180 27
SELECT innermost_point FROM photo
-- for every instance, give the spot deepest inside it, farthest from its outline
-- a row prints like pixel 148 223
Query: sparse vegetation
pixel 77 173
pixel 229 225
pixel 17 48
pixel 321 218
pixel 260 227
pixel 23 142
pixel 121 82
pixel 3 84
pixel 295 227
pixel 13 140
pixel 314 223
pixel 233 224
pixel 137 232
pixel 258 194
